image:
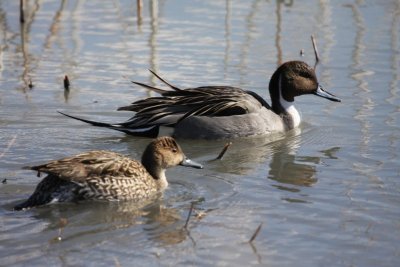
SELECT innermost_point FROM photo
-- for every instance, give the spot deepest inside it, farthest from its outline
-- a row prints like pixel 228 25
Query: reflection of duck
pixel 285 166
pixel 217 112
pixel 89 220
pixel 107 175
pixel 288 168
pixel 165 225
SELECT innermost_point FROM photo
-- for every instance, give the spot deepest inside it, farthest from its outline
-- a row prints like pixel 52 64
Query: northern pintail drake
pixel 106 175
pixel 220 112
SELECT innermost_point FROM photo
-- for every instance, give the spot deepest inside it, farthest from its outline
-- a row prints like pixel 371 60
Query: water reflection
pixel 278 37
pixel 153 38
pixel 291 170
pixel 360 73
pixel 165 225
pixel 288 168
pixel 89 220
pixel 54 26
pixel 228 27
pixel 25 28
pixel 139 7
pixel 394 84
pixel 241 157
pixel 249 36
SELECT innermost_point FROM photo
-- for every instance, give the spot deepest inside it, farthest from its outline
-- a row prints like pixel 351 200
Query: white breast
pixel 292 111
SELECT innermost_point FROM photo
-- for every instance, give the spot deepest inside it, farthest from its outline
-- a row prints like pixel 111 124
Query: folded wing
pixel 94 163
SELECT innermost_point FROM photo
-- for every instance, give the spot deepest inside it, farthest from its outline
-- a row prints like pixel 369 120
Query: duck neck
pixel 155 170
pixel 161 180
pixel 285 109
pixel 290 115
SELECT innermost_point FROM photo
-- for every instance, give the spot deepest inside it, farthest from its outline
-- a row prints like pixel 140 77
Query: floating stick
pixel 255 233
pixel 315 50
pixel 66 83
pixel 188 217
pixel 227 145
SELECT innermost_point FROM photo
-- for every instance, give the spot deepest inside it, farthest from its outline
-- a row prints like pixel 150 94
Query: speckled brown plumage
pixel 107 175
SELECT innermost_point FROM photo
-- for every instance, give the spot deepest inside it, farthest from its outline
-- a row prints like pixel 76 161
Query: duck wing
pixel 90 164
pixel 174 106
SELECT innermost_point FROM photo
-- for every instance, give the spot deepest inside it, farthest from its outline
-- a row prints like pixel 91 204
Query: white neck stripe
pixel 289 106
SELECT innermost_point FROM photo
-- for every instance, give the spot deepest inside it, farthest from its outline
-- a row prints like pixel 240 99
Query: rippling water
pixel 326 194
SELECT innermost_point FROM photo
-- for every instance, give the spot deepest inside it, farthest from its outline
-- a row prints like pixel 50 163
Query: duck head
pixel 291 79
pixel 163 153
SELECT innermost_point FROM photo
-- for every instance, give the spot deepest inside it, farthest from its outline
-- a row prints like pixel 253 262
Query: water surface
pixel 326 194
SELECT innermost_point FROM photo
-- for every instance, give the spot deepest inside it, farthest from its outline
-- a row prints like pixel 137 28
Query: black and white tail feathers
pixel 149 131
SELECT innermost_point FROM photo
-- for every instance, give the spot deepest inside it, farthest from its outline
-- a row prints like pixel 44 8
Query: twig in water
pixel 66 83
pixel 255 233
pixel 21 11
pixel 30 84
pixel 253 247
pixel 227 145
pixel 8 146
pixel 315 50
pixel 188 217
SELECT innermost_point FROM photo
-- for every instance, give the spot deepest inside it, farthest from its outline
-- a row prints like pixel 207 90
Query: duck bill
pixel 322 93
pixel 190 163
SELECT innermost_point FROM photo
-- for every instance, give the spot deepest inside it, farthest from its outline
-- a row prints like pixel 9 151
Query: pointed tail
pixel 30 203
pixel 43 194
pixel 146 131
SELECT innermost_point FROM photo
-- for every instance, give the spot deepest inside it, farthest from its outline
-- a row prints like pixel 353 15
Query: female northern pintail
pixel 217 112
pixel 107 175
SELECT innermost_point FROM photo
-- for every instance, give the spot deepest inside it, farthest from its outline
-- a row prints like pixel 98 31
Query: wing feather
pixel 200 101
pixel 93 163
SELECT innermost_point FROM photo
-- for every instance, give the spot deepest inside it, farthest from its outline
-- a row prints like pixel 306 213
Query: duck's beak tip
pixel 322 93
pixel 190 163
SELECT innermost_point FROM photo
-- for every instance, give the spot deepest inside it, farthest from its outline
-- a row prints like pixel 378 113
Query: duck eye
pixel 174 150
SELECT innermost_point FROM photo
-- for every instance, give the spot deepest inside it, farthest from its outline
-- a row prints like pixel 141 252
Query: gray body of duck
pixel 219 112
pixel 106 175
